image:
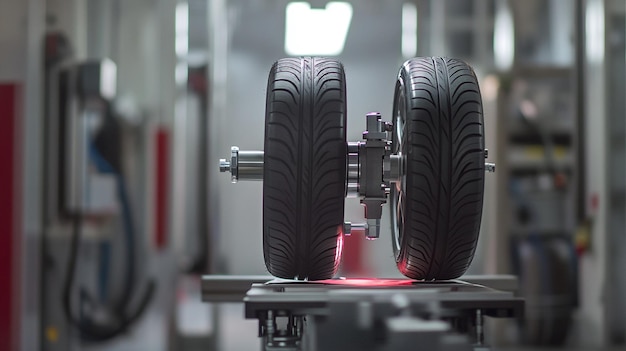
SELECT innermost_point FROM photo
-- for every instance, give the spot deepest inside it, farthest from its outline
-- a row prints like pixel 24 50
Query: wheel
pixel 547 279
pixel 534 279
pixel 436 208
pixel 304 176
pixel 561 290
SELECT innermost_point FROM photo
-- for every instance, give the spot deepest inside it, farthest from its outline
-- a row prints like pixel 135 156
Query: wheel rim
pixel 398 190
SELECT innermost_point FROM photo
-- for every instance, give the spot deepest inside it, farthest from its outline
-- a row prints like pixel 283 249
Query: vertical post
pixel 270 327
pixel 30 162
pixel 615 85
pixel 438 28
pixel 480 333
pixel 592 265
pixel 579 101
pixel 218 78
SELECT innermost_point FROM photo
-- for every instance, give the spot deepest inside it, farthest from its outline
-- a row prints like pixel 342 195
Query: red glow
pixel 339 250
pixel 403 266
pixel 353 263
pixel 370 282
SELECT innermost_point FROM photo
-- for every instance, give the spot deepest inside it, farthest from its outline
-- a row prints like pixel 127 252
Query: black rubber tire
pixel 547 284
pixel 304 177
pixel 561 288
pixel 445 168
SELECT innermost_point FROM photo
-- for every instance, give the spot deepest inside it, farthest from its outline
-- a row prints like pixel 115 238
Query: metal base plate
pixel 263 293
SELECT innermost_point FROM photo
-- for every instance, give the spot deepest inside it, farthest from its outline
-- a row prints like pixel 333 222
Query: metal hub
pixel 397 195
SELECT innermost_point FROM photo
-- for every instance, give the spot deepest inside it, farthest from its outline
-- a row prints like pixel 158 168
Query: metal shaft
pixel 270 327
pixel 250 165
pixel 243 165
pixel 354 169
pixel 480 336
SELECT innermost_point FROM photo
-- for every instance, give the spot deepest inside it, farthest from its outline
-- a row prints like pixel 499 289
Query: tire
pixel 547 280
pixel 534 280
pixel 436 209
pixel 304 180
pixel 561 290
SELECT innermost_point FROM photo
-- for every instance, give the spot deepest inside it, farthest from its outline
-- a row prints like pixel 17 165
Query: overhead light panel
pixel 594 31
pixel 181 40
pixel 503 36
pixel 316 31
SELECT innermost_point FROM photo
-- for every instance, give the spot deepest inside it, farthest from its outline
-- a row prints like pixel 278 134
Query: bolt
pixel 486 153
pixel 270 327
pixel 480 334
pixel 347 228
pixel 224 165
pixel 401 302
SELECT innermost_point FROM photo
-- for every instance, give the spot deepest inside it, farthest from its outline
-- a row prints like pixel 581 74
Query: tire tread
pixel 304 177
pixel 445 168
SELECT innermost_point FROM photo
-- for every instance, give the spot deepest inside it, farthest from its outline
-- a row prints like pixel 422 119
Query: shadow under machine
pixel 428 162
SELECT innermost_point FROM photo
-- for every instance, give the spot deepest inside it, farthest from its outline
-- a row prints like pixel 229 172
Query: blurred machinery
pixel 110 197
pixel 92 282
pixel 542 141
pixel 541 168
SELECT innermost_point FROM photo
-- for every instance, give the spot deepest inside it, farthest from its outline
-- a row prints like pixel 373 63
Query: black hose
pixel 200 262
pixel 123 319
pixel 90 330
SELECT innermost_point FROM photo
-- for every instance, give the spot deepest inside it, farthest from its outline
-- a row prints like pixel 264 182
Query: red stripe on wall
pixel 8 185
pixel 162 187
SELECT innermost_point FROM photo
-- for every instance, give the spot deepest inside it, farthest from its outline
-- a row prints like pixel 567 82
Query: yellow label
pixel 52 334
pixel 537 152
pixel 534 152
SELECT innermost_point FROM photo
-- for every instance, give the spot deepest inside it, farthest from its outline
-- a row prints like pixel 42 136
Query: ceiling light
pixel 503 37
pixel 316 31
pixel 594 31
pixel 181 41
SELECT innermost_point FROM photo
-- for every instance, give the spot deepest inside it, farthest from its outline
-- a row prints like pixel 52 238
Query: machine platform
pixel 365 308
pixel 493 294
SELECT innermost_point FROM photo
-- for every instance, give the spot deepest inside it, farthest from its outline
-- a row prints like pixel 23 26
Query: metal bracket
pixel 371 183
